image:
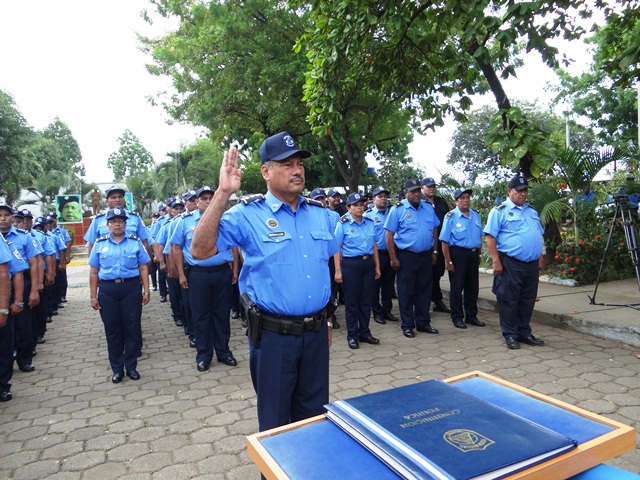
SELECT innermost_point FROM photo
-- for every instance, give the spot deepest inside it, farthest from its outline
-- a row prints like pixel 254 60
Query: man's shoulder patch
pixel 247 199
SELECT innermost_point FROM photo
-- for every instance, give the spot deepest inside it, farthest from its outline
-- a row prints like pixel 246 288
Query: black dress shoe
pixel 391 317
pixel 336 325
pixel 371 340
pixel 117 377
pixel 512 343
pixel 407 332
pixel 154 288
pixel 34 353
pixel 202 366
pixel 244 323
pixel 235 314
pixel 179 323
pixel 41 339
pixel 459 324
pixel 5 396
pixel 533 341
pixel 192 343
pixel 139 354
pixel 229 361
pixel 440 307
pixel 163 298
pixel 133 375
pixel 55 312
pixel 63 300
pixel 475 322
pixel 353 343
pixel 26 368
pixel 379 319
pixel 48 319
pixel 61 305
pixel 428 329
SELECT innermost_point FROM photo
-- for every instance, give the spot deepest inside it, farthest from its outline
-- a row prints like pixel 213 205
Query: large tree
pixel 62 150
pixel 131 158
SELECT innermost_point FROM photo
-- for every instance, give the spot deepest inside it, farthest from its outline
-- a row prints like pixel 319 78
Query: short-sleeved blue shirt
pixel 27 246
pixel 412 227
pixel 357 239
pixel 16 262
pixel 182 236
pixel 458 230
pixel 286 254
pixel 99 228
pixel 378 217
pixel 118 260
pixel 517 230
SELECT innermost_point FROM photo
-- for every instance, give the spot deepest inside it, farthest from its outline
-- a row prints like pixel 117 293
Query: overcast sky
pixel 79 60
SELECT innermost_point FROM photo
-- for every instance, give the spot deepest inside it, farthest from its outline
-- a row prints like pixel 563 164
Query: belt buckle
pixel 364 257
pixel 118 280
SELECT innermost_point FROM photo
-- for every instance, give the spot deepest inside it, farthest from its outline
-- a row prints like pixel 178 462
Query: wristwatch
pixel 4 311
pixel 19 304
pixel 146 294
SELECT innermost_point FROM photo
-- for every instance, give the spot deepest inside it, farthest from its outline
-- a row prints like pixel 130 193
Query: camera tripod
pixel 623 211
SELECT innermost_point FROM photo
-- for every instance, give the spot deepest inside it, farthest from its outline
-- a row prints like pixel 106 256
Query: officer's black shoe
pixel 55 312
pixel 5 396
pixel 48 319
pixel 459 324
pixel 133 375
pixel 192 343
pixel 154 288
pixel 475 322
pixel 26 368
pixel 202 366
pixel 512 343
pixel 353 343
pixel 407 332
pixel 439 306
pixel 179 323
pixel 428 329
pixel 379 319
pixel 229 361
pixel 139 354
pixel 63 300
pixel 371 340
pixel 41 339
pixel 244 323
pixel 163 298
pixel 533 341
pixel 235 314
pixel 336 325
pixel 391 317
pixel 117 377
pixel 15 354
pixel 61 305
pixel 34 352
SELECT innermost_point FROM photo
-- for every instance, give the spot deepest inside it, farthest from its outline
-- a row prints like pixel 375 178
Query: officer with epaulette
pixel 29 249
pixel 461 243
pixel 12 266
pixel 209 283
pixel 514 240
pixel 286 241
pixel 411 235
pixel 53 296
pixel 61 274
pixel 118 265
pixel 49 263
pixel 383 303
pixel 357 269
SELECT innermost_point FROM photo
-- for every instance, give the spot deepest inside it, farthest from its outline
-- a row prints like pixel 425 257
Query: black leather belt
pixel 293 325
pixel 417 254
pixel 463 248
pixel 123 280
pixel 217 268
pixel 360 257
pixel 516 260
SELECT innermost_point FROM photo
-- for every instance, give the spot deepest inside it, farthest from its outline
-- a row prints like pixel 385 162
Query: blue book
pixel 432 430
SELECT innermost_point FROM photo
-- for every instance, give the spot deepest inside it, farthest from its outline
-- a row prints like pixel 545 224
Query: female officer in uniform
pixel 358 270
pixel 119 264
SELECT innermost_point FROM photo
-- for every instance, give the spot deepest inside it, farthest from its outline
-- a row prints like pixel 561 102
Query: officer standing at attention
pixel 461 243
pixel 61 274
pixel 514 239
pixel 412 241
pixel 382 303
pixel 286 241
pixel 441 208
pixel 334 200
pixel 209 283
pixel 118 264
pixel 357 269
pixel 49 258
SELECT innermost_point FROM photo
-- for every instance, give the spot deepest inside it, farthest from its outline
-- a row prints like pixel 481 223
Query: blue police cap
pixel 205 189
pixel 39 221
pixel 170 201
pixel 332 192
pixel 189 195
pixel 114 189
pixel 155 215
pixel 317 193
pixel 412 184
pixel 48 219
pixel 52 215
pixel 6 206
pixel 460 191
pixel 17 213
pixel 279 147
pixel 162 206
pixel 518 183
pixel 177 201
pixel 379 190
pixel 26 213
pixel 428 182
pixel 354 197
pixel 116 213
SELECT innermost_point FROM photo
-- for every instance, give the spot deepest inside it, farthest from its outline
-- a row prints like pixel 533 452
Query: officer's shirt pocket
pixel 514 222
pixel 130 261
pixel 459 232
pixel 321 239
pixel 276 248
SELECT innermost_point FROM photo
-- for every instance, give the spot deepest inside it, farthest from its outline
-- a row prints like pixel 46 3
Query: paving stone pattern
pixel 68 421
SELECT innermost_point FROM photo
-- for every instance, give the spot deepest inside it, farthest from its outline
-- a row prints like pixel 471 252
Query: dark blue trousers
pixel 414 288
pixel 290 374
pixel 383 302
pixel 516 291
pixel 175 298
pixel 22 330
pixel 6 355
pixel 162 282
pixel 359 287
pixel 210 299
pixel 464 280
pixel 186 309
pixel 153 273
pixel 121 308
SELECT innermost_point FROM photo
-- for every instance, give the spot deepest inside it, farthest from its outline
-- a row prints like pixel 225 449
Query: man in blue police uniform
pixel 61 274
pixel 53 296
pixel 461 243
pixel 412 241
pixel 49 261
pixel 383 302
pixel 514 239
pixel 209 284
pixel 153 231
pixel 286 241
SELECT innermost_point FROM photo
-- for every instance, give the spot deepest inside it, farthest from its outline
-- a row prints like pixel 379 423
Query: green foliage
pixel 131 158
pixel 62 150
pixel 394 172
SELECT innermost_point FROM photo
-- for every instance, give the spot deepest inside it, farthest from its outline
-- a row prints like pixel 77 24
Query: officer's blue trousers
pixel 359 287
pixel 162 282
pixel 465 278
pixel 22 329
pixel 383 302
pixel 414 288
pixel 120 310
pixel 175 298
pixel 210 299
pixel 516 290
pixel 290 375
pixel 189 328
pixel 6 355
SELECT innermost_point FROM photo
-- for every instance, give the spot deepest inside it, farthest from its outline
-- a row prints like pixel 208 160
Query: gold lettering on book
pixel 467 440
pixel 430 418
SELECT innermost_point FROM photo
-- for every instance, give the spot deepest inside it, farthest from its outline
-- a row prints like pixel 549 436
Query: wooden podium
pixel 314 448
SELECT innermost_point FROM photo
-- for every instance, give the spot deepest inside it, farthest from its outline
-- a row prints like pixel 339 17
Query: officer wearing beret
pixel 70 209
pixel 357 269
pixel 412 241
pixel 118 264
pixel 461 243
pixel 286 241
pixel 514 239
pixel 383 302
